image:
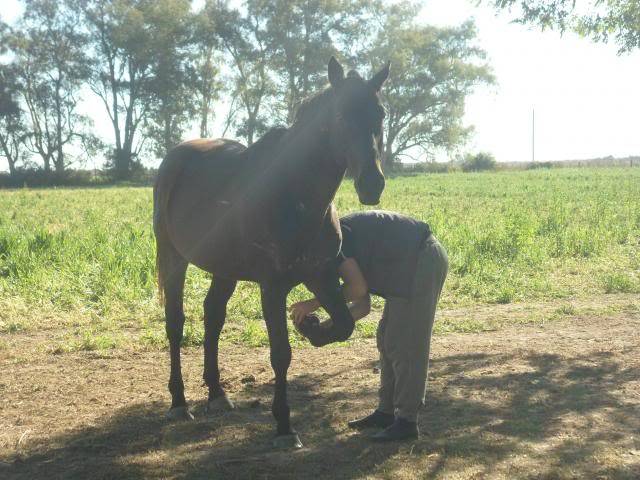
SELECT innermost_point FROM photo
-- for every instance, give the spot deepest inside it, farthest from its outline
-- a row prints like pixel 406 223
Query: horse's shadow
pixel 474 419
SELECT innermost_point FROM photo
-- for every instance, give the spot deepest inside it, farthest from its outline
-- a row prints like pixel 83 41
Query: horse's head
pixel 356 128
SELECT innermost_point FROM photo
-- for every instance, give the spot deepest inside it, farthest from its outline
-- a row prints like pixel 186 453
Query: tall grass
pixel 84 258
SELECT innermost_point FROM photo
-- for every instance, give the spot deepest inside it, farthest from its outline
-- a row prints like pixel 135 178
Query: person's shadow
pixel 477 420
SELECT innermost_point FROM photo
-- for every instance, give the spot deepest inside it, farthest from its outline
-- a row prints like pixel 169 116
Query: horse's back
pixel 196 190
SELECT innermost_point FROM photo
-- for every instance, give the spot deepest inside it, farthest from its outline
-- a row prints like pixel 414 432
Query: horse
pixel 264 214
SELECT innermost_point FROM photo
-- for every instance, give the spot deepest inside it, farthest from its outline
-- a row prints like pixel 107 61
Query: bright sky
pixel 585 97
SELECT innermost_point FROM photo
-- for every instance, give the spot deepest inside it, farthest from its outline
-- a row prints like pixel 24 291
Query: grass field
pixel 81 261
pixel 534 374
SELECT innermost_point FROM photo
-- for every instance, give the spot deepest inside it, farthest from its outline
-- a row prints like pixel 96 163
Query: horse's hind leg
pixel 174 272
pixel 215 311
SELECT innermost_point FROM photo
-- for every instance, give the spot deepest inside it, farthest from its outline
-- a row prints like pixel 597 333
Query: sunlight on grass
pixel 85 257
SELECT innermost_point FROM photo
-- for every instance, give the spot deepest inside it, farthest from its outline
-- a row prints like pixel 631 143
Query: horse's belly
pixel 205 217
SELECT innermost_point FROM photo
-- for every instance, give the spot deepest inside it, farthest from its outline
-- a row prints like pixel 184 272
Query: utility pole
pixel 533 135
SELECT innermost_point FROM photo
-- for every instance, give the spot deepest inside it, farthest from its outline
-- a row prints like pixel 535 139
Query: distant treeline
pixel 157 69
pixel 142 176
pixel 610 161
pixel 478 162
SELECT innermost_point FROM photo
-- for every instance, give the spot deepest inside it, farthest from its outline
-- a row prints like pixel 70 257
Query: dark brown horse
pixel 264 214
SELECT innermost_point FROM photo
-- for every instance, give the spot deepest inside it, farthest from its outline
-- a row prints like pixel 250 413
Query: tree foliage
pixel 478 162
pixel 50 66
pixel 12 126
pixel 433 70
pixel 205 59
pixel 13 131
pixel 159 68
pixel 244 39
pixel 301 35
pixel 171 83
pixel 601 20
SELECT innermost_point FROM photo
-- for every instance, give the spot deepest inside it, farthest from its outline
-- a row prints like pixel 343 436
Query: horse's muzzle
pixel 370 188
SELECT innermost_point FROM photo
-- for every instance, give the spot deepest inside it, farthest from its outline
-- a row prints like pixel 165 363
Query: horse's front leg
pixel 326 288
pixel 274 298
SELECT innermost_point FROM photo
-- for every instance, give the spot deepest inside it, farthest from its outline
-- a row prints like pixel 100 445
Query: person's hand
pixel 298 311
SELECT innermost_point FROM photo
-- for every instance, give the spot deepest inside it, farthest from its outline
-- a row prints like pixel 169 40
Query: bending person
pixel 398 258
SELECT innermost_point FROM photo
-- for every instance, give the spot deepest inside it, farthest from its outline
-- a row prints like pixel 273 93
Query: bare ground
pixel 552 401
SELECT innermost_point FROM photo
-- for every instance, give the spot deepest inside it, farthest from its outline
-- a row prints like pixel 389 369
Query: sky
pixel 585 96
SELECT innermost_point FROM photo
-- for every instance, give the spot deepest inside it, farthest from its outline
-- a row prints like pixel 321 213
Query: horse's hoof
pixel 308 325
pixel 179 413
pixel 290 441
pixel 219 404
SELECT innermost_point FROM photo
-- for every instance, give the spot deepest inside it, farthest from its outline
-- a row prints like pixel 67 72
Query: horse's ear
pixel 379 78
pixel 336 72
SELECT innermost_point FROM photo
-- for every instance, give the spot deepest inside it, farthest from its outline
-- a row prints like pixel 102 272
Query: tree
pixel 50 64
pixel 598 19
pixel 301 36
pixel 12 128
pixel 121 72
pixel 13 131
pixel 479 162
pixel 171 101
pixel 433 70
pixel 204 71
pixel 244 39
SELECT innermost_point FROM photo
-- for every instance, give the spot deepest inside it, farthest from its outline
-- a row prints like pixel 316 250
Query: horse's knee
pixel 215 304
pixel 214 314
pixel 281 358
pixel 174 327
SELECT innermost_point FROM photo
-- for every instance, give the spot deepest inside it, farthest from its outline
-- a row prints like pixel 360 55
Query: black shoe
pixel 377 419
pixel 400 430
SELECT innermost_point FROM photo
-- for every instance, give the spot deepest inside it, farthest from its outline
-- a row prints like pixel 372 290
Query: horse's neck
pixel 314 175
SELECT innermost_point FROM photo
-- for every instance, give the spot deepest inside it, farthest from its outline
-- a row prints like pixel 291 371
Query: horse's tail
pixel 160 273
pixel 167 173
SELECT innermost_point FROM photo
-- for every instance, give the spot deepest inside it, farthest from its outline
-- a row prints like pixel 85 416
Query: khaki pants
pixel 404 336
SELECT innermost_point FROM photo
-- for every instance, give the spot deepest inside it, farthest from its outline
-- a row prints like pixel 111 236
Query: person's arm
pixel 360 308
pixel 354 289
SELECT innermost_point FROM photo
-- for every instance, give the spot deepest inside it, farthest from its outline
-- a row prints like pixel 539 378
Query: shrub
pixel 399 169
pixel 537 165
pixel 478 162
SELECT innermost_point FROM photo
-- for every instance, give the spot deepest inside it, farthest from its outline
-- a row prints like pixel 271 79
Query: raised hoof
pixel 179 413
pixel 309 324
pixel 287 442
pixel 219 404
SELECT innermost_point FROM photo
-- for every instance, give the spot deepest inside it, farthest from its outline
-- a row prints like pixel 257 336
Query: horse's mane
pixel 261 148
pixel 310 107
pixel 306 111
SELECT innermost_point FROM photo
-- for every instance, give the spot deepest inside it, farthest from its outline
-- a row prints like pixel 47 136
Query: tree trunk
pixel 204 121
pixel 250 130
pixel 12 167
pixel 121 164
pixel 8 154
pixel 58 161
pixel 387 154
pixel 167 141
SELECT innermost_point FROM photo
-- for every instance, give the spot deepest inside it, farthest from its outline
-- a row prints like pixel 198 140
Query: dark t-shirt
pixel 385 245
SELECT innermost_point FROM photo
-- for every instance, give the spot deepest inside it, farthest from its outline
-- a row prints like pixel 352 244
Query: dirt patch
pixel 560 400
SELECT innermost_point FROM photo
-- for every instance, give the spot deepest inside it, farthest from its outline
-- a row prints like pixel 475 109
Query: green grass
pixel 84 258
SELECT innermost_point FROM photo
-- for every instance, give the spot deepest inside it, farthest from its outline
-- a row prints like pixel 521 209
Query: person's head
pixel 356 128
